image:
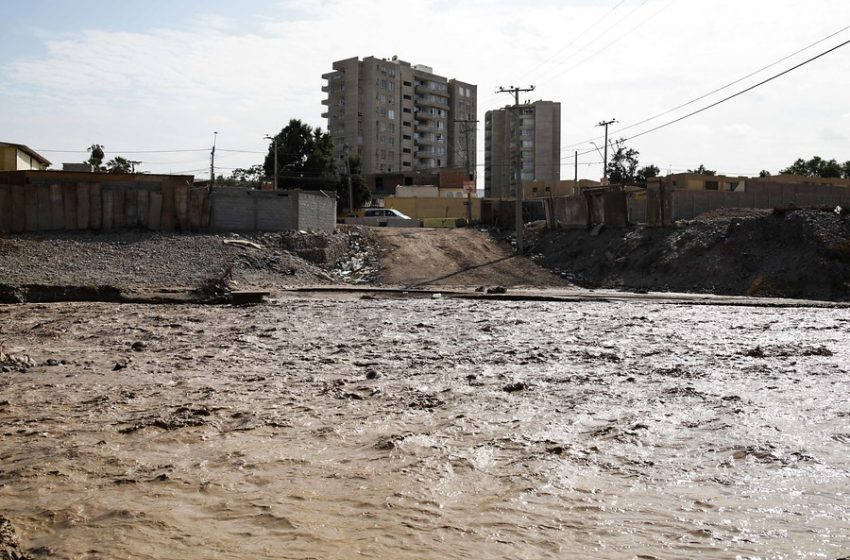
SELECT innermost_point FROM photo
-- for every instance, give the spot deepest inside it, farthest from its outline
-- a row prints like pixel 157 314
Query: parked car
pixel 388 217
pixel 381 212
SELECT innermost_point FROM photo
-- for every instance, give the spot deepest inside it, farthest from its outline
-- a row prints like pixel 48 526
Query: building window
pixel 391 114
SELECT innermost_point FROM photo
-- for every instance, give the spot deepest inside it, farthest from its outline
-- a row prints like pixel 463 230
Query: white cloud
pixel 171 86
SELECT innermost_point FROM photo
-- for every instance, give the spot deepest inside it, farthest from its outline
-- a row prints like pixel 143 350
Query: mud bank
pixel 425 428
pixel 795 254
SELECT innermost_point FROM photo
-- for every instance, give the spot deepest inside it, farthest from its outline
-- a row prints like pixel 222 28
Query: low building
pixel 429 191
pixel 700 182
pixel 17 157
pixel 446 179
pixel 542 189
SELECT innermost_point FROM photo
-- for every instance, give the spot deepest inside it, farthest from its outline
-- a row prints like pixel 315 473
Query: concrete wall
pixel 316 211
pixel 665 206
pixel 402 191
pixel 434 207
pixel 64 201
pixel 237 209
pixel 44 201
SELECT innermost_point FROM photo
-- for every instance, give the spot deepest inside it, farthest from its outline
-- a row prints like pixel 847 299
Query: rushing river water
pixel 440 428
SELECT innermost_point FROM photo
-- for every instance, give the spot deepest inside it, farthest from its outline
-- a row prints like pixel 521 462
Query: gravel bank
pixel 141 260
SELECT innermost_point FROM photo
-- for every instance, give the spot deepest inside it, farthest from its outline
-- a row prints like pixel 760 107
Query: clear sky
pixel 148 76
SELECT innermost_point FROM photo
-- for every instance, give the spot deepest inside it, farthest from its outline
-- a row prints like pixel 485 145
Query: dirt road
pixel 454 257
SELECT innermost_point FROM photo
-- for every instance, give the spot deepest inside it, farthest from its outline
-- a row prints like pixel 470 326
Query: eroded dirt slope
pixel 799 254
pixel 453 257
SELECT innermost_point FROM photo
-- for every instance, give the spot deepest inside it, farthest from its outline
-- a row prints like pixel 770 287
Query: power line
pixel 610 43
pixel 485 100
pixel 739 80
pixel 575 39
pixel 583 142
pixel 743 91
pixel 126 151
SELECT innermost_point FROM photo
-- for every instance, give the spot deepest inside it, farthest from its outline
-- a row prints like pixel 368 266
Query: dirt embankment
pixel 454 257
pixel 140 266
pixel 800 253
pixel 797 254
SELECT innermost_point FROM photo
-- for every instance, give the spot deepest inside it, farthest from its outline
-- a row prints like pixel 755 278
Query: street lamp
pixel 274 143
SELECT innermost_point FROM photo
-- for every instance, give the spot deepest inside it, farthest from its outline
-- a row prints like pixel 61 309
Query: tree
pixel 648 172
pixel 304 158
pixel 845 170
pixel 623 167
pixel 764 173
pixel 248 176
pixel 624 163
pixel 701 170
pixel 359 189
pixel 817 167
pixel 119 165
pixel 96 157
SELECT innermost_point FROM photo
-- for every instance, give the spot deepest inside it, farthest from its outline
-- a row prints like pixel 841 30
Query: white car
pixel 388 217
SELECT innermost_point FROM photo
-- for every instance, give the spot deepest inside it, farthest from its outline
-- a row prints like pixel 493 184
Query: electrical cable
pixel 736 94
pixel 739 80
pixel 716 90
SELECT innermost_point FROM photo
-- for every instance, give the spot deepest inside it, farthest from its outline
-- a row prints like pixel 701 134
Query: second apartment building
pixel 521 144
pixel 400 118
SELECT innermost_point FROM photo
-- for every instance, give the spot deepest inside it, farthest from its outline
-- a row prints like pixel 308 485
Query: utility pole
pixel 212 160
pixel 470 172
pixel 515 91
pixel 605 157
pixel 347 166
pixel 274 147
pixel 517 175
pixel 575 180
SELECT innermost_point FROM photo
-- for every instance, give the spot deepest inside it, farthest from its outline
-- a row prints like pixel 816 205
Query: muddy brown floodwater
pixel 429 428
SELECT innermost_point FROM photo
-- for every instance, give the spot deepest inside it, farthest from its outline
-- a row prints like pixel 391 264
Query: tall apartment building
pixel 531 132
pixel 400 118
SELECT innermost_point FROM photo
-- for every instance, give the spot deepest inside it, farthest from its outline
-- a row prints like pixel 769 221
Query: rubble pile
pixel 148 261
pixel 14 362
pixel 359 263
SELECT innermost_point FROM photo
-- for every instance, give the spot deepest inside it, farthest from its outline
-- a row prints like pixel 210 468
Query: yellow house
pixel 17 157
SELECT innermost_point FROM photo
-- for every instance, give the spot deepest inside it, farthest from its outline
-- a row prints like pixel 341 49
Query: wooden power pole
pixel 517 175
